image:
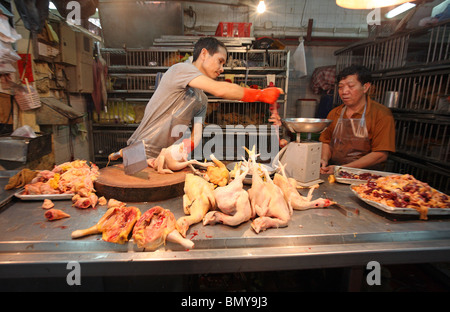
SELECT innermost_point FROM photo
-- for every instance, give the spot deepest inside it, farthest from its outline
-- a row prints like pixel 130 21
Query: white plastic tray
pixel 22 196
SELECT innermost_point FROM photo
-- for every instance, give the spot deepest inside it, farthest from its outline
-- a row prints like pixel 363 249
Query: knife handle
pixel 116 155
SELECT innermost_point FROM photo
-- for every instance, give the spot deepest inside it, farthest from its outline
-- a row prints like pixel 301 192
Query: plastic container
pixel 226 29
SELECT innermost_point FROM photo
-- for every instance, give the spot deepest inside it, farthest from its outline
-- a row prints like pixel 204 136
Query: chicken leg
pixel 293 197
pixel 115 224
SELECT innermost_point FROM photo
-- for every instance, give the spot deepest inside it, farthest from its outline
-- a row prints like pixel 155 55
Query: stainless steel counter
pixel 31 246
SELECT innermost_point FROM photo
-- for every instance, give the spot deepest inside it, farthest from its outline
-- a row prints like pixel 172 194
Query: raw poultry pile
pixel 76 177
pixel 210 198
pixel 271 201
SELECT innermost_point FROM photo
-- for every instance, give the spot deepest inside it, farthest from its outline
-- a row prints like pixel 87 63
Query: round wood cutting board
pixel 145 186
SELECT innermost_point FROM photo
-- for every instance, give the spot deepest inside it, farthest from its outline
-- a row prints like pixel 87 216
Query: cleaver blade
pixel 134 158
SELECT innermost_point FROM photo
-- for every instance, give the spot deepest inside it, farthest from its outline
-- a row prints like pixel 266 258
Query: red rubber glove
pixel 188 145
pixel 268 95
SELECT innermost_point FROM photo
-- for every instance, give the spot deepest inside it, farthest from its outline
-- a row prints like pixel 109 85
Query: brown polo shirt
pixel 379 121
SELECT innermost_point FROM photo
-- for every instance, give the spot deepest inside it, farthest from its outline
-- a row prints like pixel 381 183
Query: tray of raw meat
pixel 349 175
pixel 63 182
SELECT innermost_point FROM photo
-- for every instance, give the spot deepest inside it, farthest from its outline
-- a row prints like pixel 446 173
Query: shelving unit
pixel 415 66
pixel 133 75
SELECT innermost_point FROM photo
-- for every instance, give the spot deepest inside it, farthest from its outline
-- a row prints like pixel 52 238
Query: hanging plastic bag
pixel 24 131
pixel 300 60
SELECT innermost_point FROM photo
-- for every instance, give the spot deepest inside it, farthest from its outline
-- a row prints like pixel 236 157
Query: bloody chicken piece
pixel 84 202
pixel 155 227
pixel 55 214
pixel 115 225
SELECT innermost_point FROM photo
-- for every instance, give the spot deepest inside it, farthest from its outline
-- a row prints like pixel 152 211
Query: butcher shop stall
pixel 247 209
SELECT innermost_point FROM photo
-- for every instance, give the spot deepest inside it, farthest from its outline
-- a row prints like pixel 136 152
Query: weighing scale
pixel 302 159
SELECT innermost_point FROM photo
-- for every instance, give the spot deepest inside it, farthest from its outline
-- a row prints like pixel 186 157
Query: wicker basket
pixel 26 96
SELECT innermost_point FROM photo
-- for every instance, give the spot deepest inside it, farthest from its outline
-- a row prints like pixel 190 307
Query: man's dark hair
pixel 211 44
pixel 363 74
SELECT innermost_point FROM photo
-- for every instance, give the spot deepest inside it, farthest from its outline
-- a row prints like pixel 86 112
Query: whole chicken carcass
pixel 174 158
pixel 218 174
pixel 197 201
pixel 156 226
pixel 233 202
pixel 293 197
pixel 115 225
pixel 267 200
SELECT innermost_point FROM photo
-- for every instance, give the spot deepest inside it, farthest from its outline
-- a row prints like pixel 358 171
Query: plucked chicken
pixel 197 201
pixel 293 197
pixel 267 200
pixel 233 202
pixel 155 227
pixel 115 225
pixel 174 158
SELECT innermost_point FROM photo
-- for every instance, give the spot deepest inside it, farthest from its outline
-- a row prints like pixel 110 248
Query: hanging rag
pixel 100 95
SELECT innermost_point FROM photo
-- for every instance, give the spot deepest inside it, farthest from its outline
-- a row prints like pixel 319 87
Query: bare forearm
pixel 326 153
pixel 222 89
pixel 368 160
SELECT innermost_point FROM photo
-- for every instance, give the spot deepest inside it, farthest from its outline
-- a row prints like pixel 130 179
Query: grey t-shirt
pixel 173 104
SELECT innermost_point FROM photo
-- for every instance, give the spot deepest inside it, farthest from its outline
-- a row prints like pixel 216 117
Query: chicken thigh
pixel 298 202
pixel 197 201
pixel 233 203
pixel 267 200
pixel 156 226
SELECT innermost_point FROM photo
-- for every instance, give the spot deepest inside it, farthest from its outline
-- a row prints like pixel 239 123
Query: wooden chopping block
pixel 145 186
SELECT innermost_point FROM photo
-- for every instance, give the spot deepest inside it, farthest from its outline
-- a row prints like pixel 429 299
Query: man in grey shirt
pixel 180 97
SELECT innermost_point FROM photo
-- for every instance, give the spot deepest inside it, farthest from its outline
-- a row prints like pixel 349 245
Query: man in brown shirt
pixel 363 131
